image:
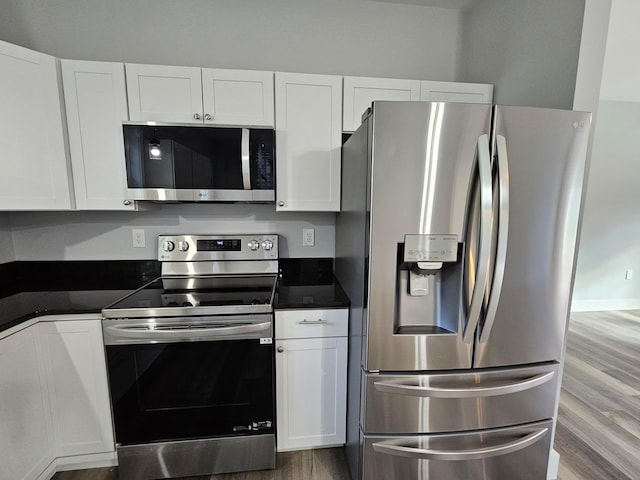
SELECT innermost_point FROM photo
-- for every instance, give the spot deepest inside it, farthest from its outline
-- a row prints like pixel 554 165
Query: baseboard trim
pixel 605 304
pixel 79 462
pixel 554 465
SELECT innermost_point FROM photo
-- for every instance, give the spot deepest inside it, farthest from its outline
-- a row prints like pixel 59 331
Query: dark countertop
pixel 32 289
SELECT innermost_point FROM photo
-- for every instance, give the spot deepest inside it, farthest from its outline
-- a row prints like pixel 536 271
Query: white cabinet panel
pixel 25 420
pixel 78 389
pixel 359 92
pixel 311 392
pixel 164 93
pixel 237 97
pixel 308 141
pixel 96 104
pixel 311 377
pixel 456 92
pixel 35 174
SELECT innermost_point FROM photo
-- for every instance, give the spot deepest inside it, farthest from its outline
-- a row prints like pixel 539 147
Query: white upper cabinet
pixel 359 92
pixel 163 93
pixel 96 104
pixel 199 96
pixel 237 97
pixel 456 92
pixel 35 174
pixel 308 141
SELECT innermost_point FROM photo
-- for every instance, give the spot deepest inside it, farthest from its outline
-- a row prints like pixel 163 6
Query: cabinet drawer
pixel 311 323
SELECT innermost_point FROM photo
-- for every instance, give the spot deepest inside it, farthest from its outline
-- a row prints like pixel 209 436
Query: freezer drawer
pixel 461 401
pixel 509 453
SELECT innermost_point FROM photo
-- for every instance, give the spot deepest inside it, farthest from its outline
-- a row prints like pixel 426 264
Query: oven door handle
pixel 139 334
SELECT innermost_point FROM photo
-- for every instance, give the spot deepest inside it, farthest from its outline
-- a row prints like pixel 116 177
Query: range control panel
pixel 194 248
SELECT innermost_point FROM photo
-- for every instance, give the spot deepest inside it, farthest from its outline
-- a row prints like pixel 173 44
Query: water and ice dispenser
pixel 428 284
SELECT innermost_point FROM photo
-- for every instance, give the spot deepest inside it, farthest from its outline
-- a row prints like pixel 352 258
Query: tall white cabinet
pixel 308 141
pixel 311 378
pixel 35 173
pixel 96 105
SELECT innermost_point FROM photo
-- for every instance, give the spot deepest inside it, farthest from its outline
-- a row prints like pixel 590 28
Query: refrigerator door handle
pixel 503 231
pixel 463 392
pixel 480 284
pixel 469 454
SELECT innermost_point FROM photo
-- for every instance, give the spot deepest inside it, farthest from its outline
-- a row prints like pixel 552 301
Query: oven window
pixel 191 390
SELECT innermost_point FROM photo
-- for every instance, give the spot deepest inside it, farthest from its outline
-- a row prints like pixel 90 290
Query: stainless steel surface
pixel 501 232
pixel 547 152
pixel 246 253
pixel 510 453
pixel 235 267
pixel 436 144
pixel 123 331
pixel 246 170
pixel 400 449
pixel 447 402
pixel 196 457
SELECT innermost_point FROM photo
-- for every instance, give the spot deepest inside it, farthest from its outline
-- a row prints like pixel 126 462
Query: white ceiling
pixel 451 4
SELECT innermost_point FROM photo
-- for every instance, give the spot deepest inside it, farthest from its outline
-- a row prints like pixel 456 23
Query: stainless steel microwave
pixel 199 164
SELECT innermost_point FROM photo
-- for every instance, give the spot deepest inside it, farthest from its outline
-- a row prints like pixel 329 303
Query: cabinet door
pixel 311 386
pixel 456 92
pixel 96 103
pixel 237 97
pixel 35 174
pixel 359 92
pixel 25 420
pixel 78 389
pixel 164 93
pixel 308 142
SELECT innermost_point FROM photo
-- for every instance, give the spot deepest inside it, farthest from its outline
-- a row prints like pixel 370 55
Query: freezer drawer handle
pixel 472 392
pixel 471 454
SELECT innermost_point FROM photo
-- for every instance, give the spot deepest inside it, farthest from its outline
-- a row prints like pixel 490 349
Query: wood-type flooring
pixel 598 429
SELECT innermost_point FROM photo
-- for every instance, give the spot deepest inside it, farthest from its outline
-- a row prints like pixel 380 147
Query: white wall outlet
pixel 308 237
pixel 628 275
pixel 138 238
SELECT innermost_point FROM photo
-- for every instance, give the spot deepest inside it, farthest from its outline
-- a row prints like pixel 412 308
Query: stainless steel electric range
pixel 190 360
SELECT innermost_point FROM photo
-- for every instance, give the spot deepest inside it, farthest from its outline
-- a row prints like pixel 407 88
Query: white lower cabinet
pixel 311 378
pixel 77 383
pixel 25 418
pixel 54 401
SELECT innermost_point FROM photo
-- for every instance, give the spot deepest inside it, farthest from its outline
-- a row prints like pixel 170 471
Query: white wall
pixel 350 37
pixel 611 223
pixel 107 235
pixel 7 253
pixel 527 49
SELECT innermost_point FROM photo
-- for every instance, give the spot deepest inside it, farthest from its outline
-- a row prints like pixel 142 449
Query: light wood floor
pixel 598 430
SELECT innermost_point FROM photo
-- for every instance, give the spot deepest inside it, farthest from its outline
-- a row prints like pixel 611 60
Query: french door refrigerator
pixel 456 244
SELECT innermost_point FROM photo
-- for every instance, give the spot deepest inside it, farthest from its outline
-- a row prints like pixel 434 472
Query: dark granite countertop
pixel 32 289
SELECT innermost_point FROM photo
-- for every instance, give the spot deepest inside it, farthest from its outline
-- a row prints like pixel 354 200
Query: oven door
pixel 190 378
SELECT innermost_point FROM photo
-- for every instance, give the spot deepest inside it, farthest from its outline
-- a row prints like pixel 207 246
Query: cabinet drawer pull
pixel 280 349
pixel 196 116
pixel 313 322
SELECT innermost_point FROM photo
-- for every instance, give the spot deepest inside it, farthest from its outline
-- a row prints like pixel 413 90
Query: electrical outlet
pixel 138 238
pixel 308 237
pixel 628 275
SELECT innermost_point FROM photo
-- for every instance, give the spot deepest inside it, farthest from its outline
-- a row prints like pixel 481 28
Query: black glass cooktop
pixel 197 295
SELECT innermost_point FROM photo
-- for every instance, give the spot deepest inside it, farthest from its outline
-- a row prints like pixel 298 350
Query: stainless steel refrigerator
pixel 456 244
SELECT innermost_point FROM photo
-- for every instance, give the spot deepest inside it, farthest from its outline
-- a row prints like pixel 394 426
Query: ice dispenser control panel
pixel 430 248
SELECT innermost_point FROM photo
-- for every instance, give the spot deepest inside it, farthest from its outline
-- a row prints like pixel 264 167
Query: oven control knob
pixel 183 246
pixel 253 245
pixel 168 246
pixel 267 245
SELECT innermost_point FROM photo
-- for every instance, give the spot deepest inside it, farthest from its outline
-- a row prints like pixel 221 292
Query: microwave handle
pixel 246 167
